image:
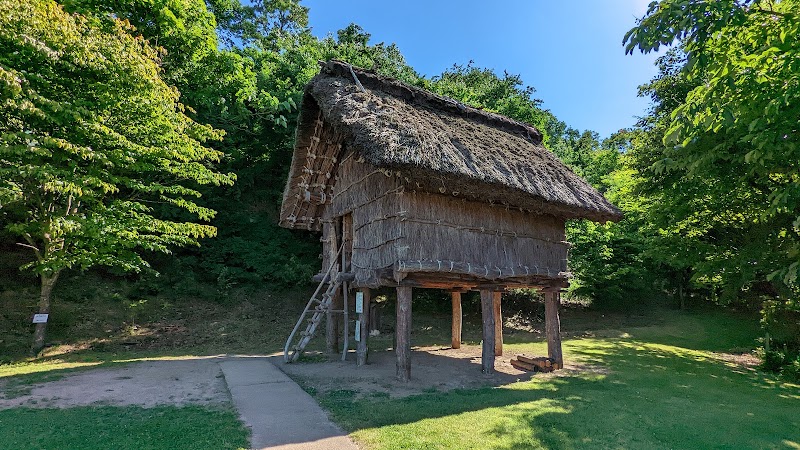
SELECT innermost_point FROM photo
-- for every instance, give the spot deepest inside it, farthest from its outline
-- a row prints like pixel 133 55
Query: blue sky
pixel 570 51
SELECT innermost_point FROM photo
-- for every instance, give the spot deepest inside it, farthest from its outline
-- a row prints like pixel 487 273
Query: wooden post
pixel 487 314
pixel 331 246
pixel 403 333
pixel 345 321
pixel 498 324
pixel 456 340
pixel 332 324
pixel 553 328
pixel 374 317
pixel 363 351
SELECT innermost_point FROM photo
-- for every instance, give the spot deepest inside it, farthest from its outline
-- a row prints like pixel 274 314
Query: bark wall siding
pixel 372 196
pixel 440 227
pixel 391 224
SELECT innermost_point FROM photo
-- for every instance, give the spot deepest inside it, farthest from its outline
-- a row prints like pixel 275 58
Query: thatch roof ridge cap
pixel 421 97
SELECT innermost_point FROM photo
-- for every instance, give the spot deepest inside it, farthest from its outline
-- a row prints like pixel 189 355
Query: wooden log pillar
pixel 332 324
pixel 330 246
pixel 403 333
pixel 498 323
pixel 487 314
pixel 362 351
pixel 456 331
pixel 552 300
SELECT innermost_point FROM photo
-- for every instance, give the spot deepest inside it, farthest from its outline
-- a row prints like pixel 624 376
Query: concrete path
pixel 280 414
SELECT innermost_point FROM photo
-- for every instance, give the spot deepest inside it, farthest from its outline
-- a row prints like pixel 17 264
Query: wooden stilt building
pixel 414 190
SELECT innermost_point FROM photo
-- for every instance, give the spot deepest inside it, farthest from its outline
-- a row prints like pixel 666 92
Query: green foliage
pixel 257 107
pixel 90 139
pixel 609 260
pixel 265 24
pixel 737 124
pixel 719 153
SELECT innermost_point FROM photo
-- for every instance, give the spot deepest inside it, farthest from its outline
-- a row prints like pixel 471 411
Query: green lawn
pixel 658 386
pixel 119 428
pixel 660 382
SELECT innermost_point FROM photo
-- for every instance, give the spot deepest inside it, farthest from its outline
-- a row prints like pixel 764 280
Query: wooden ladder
pixel 318 307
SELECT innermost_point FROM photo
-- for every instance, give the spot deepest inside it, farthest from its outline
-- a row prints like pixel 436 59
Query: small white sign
pixel 358 330
pixel 360 302
pixel 40 318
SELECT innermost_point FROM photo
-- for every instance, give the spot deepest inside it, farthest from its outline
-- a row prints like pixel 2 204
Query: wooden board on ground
pixel 539 364
pixel 523 366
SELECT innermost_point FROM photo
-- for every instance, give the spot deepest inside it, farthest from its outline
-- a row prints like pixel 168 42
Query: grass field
pixel 120 428
pixel 659 378
pixel 668 385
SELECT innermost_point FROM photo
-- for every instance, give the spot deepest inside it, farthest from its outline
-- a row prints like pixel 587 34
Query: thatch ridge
pixel 442 146
pixel 426 99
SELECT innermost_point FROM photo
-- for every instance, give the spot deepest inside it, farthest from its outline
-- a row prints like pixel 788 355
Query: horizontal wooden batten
pixel 340 277
pixel 479 270
pixel 460 282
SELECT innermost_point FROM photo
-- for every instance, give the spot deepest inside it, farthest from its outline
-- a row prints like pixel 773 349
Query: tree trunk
pixel 48 281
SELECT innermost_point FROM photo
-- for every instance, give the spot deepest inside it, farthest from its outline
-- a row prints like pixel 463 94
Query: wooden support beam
pixel 553 328
pixel 456 331
pixel 403 333
pixel 332 324
pixel 362 350
pixel 487 314
pixel 498 323
pixel 332 328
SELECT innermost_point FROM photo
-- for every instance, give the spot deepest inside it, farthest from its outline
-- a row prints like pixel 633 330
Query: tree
pixel 92 140
pixel 741 113
pixel 724 157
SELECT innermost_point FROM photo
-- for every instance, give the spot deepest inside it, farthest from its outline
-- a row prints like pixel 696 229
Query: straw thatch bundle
pixel 441 146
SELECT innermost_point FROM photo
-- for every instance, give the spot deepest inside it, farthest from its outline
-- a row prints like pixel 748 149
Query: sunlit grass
pixel 658 386
pixel 36 366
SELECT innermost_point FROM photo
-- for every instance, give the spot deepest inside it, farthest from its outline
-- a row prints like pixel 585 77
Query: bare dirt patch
pixel 196 381
pixel 432 368
pixel 746 360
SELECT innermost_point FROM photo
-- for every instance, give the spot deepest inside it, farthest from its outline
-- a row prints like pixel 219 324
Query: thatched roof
pixel 441 145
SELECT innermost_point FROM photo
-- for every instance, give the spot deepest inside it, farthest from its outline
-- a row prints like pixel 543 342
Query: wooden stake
pixel 403 333
pixel 553 328
pixel 363 351
pixel 498 324
pixel 456 341
pixel 487 313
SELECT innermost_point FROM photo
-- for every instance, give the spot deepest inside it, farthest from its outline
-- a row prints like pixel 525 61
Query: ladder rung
pixel 323 304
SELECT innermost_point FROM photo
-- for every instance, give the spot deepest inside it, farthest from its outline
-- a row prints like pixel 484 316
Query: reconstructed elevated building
pixel 421 191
